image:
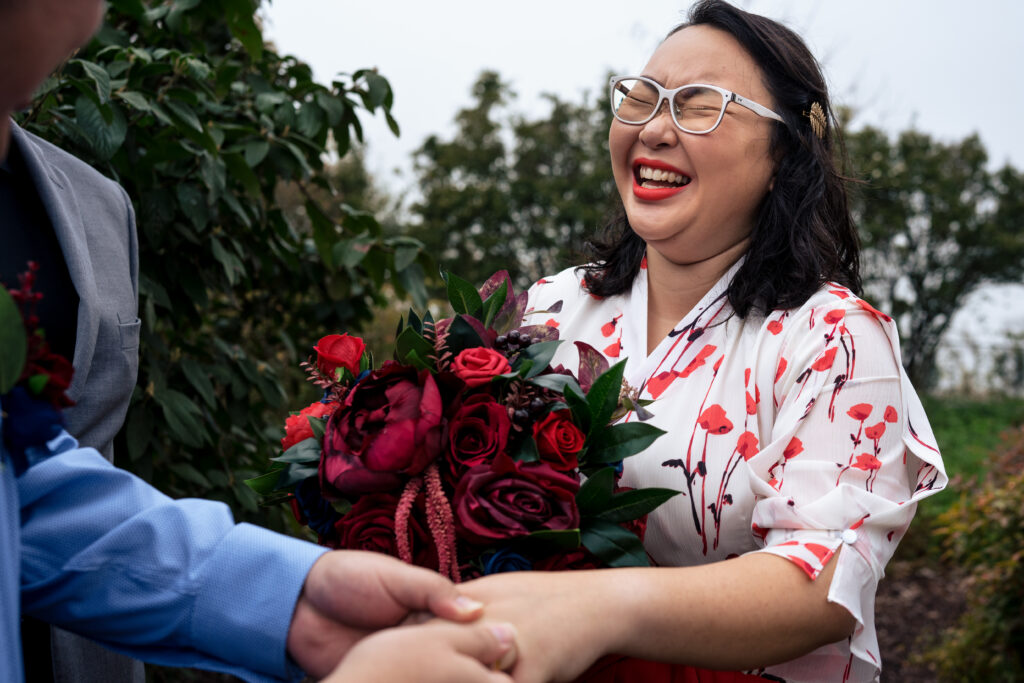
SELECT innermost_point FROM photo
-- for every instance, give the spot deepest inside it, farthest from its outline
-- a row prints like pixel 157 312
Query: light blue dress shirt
pixel 173 582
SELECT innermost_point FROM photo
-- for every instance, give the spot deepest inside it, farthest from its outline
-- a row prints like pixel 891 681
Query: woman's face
pixel 730 169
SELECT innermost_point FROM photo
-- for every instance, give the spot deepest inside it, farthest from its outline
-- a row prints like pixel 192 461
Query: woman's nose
pixel 660 130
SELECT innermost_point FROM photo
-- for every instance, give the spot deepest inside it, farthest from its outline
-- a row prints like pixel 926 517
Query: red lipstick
pixel 655 193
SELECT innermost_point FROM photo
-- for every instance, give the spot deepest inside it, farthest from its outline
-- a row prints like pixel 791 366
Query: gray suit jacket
pixel 95 226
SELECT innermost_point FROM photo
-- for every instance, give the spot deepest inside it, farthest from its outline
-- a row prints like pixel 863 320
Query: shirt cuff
pixel 244 606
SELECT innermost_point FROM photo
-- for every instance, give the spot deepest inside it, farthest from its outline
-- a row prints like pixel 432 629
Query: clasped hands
pixel 358 616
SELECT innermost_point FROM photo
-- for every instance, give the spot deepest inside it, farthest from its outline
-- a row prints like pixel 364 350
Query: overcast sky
pixel 947 67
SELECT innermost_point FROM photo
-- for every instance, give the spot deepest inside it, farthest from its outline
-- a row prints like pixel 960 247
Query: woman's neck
pixel 674 289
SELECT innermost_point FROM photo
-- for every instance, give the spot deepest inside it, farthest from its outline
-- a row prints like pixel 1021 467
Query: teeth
pixel 658 175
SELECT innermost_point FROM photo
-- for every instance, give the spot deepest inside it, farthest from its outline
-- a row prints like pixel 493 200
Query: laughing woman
pixel 730 283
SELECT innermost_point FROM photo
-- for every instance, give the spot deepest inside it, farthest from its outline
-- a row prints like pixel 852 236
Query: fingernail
pixel 504 633
pixel 468 604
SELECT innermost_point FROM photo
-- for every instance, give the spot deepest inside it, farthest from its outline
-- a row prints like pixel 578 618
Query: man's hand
pixel 350 594
pixel 440 652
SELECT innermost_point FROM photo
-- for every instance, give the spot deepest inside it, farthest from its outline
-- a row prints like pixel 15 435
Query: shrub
pixel 983 533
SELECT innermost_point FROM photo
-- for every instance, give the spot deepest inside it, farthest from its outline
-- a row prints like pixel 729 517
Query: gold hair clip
pixel 817 119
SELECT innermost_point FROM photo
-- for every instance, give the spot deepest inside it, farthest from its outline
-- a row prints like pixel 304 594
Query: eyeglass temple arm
pixel 755 107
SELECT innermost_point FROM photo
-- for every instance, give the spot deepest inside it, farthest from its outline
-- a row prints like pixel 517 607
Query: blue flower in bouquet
pixel 505 560
pixel 318 513
pixel 29 422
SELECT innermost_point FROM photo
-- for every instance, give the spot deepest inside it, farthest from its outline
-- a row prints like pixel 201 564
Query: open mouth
pixel 657 178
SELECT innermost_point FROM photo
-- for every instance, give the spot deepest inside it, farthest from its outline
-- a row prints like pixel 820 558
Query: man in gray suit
pixel 79 227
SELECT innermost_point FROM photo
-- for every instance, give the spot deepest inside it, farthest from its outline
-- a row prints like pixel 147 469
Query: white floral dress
pixel 793 434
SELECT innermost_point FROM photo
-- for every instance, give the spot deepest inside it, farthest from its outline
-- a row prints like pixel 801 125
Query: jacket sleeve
pixel 173 582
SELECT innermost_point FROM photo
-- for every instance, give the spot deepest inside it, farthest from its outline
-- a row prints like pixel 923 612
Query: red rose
pixel 370 525
pixel 387 426
pixel 509 499
pixel 296 427
pixel 559 441
pixel 478 365
pixel 339 351
pixel 478 432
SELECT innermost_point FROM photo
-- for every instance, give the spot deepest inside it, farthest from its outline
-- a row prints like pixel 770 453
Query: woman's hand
pixel 562 619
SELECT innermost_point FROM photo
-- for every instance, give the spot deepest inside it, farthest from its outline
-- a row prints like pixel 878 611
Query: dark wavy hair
pixel 804 235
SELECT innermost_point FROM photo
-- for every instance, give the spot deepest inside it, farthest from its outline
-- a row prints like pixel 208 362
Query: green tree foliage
pixel 183 103
pixel 509 192
pixel 936 224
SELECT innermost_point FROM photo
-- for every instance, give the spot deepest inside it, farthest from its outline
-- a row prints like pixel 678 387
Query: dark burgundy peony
pixel 509 499
pixel 389 425
pixel 370 525
pixel 478 432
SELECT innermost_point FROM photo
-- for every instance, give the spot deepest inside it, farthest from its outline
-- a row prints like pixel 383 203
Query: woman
pixel 797 442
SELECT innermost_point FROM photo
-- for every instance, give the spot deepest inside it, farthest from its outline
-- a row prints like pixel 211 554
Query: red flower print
pixel 542 281
pixel 781 369
pixel 861 411
pixel 697 362
pixel 608 329
pixel 794 448
pixel 866 461
pixel 803 564
pixel 775 327
pixel 751 404
pixel 875 431
pixel 747 445
pixel 759 532
pixel 872 310
pixel 890 414
pixel 643 263
pixel 834 316
pixel 659 383
pixel 551 322
pixel 841 293
pixel 613 350
pixel 823 553
pixel 825 361
pixel 714 420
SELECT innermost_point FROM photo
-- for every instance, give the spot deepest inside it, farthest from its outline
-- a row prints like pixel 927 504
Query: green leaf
pixel 351 252
pixel 629 505
pixel 493 303
pixel 305 451
pixel 541 355
pixel 612 444
pixel 319 426
pixel 596 492
pixel 182 417
pixel 104 126
pixel 612 544
pixel 410 341
pixel 377 89
pixel 136 100
pixel 462 335
pixel 98 75
pixel 294 473
pixel 405 256
pixel 463 296
pixel 190 473
pixel 557 540
pixel 265 484
pixel 13 341
pixel 603 396
pixel 525 450
pixel 36 383
pixel 200 380
pixel 556 382
pixel 242 23
pixel 138 432
pixel 578 405
pixel 193 204
pixel 255 151
pixel 184 113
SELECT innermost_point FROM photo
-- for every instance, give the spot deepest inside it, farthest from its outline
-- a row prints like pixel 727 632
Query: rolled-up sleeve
pixel 849 456
pixel 173 582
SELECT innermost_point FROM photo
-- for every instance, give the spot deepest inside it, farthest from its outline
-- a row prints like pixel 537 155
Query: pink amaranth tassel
pixel 442 525
pixel 402 512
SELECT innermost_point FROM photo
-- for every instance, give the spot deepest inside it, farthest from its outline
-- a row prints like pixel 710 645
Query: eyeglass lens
pixel 696 109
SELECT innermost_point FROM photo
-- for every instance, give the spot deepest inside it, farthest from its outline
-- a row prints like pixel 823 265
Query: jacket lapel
pixel 61 206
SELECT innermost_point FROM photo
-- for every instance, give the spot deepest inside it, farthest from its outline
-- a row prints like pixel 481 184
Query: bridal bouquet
pixel 468 453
